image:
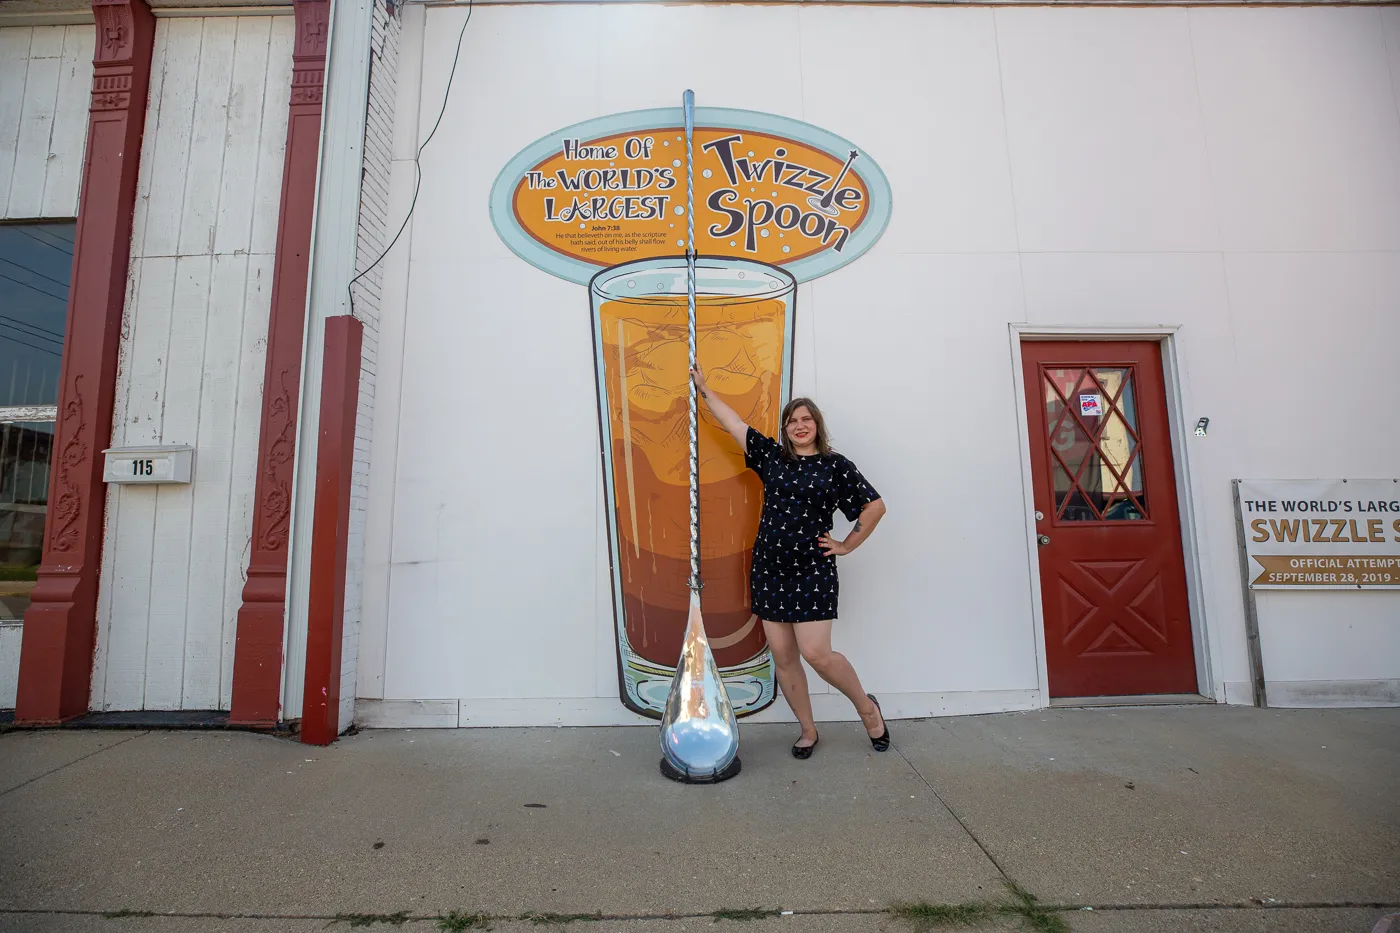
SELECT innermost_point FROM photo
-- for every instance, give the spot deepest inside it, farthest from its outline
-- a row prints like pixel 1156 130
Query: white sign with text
pixel 1322 534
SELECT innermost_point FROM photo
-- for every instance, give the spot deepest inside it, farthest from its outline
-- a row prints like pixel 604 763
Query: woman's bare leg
pixel 814 644
pixel 791 677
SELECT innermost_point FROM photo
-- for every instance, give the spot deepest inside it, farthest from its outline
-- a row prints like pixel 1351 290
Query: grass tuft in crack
pixel 365 920
pixel 1034 915
pixel 925 916
pixel 1045 921
pixel 747 913
pixel 551 918
pixel 456 921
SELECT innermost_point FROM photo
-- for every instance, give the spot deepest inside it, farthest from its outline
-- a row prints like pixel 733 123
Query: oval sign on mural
pixel 767 188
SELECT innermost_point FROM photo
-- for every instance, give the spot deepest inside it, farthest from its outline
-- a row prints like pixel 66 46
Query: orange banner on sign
pixel 760 196
pixel 1311 570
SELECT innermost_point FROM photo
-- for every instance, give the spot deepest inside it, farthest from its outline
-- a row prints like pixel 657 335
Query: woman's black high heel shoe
pixel 880 742
pixel 805 751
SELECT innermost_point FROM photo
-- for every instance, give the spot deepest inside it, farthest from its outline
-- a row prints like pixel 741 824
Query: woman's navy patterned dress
pixel 791 579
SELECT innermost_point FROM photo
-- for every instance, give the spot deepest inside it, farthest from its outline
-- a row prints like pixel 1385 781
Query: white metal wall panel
pixel 1101 168
pixel 192 359
pixel 45 80
pixel 1302 150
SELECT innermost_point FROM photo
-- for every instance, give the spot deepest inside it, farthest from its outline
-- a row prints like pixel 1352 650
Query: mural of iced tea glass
pixel 744 316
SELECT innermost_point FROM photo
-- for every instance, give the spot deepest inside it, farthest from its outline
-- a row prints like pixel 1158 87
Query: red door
pixel 1112 574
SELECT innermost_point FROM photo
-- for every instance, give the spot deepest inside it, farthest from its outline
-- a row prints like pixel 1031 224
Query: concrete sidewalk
pixel 1170 819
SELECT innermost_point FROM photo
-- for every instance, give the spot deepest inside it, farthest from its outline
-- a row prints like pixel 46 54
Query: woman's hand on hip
pixel 869 517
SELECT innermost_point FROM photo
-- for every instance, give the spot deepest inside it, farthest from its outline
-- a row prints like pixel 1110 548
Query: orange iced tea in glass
pixel 743 343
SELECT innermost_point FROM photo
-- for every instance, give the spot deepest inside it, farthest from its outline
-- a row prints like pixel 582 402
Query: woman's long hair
pixel 823 441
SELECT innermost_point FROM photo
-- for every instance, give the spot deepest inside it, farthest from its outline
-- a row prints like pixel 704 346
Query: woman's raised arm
pixel 727 417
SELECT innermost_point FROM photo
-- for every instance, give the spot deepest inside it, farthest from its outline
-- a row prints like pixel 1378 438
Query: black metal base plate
pixel 714 777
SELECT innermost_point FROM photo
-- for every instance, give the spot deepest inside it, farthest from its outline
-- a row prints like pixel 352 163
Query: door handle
pixel 1042 540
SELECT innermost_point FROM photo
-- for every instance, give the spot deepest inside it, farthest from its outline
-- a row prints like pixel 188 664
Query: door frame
pixel 1203 638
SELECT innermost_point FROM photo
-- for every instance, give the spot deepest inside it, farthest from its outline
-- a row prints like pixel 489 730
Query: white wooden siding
pixel 376 228
pixel 193 349
pixel 45 78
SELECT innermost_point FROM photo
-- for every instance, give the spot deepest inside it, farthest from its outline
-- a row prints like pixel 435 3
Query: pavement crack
pixel 1205 905
pixel 69 764
pixel 954 814
pixel 407 917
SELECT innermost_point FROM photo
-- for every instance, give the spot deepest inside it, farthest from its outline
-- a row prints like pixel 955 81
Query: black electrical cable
pixel 43 333
pixel 417 168
pixel 13 339
pixel 61 283
pixel 32 287
pixel 38 239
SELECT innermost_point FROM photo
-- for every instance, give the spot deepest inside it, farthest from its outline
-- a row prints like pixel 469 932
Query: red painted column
pixel 257 659
pixel 330 529
pixel 60 626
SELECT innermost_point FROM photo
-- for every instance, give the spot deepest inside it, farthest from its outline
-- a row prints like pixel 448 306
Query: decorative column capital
pixel 125 29
pixel 313 29
pixel 116 30
pixel 309 51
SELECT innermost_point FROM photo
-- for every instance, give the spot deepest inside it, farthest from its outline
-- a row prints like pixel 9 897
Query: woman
pixel 793 579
